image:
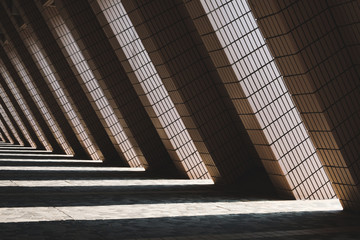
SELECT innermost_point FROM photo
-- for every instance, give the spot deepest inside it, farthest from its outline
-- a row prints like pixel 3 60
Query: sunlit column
pixel 24 107
pixel 153 93
pixel 263 103
pixel 10 106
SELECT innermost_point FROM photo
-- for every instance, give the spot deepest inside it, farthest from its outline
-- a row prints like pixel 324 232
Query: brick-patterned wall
pixel 144 78
pixel 11 123
pixel 27 105
pixel 257 90
pixel 9 107
pixel 28 82
pixel 6 131
pixel 320 67
pixel 180 58
pixel 131 115
pixel 88 97
pixel 8 96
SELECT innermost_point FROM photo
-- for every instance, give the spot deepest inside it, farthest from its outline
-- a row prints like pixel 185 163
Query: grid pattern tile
pixel 263 103
pixel 183 64
pixel 106 112
pixel 155 97
pixel 28 82
pixel 7 134
pixel 16 93
pixel 54 83
pixel 9 105
pixel 316 46
pixel 11 126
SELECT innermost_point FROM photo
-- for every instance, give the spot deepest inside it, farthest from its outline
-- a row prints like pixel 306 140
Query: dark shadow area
pixel 68 175
pixel 300 225
pixel 65 163
pixel 117 195
pixel 49 156
pixel 254 182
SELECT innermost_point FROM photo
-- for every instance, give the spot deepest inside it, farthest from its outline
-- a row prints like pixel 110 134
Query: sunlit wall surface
pixel 47 72
pixel 186 155
pixel 316 46
pixel 263 103
pixel 23 105
pixel 25 77
pixel 16 117
pixel 92 85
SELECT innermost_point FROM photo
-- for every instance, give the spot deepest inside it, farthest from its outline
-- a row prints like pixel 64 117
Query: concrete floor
pixel 47 196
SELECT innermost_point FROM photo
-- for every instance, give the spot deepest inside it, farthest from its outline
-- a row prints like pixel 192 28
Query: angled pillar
pixel 11 135
pixel 190 77
pixel 20 136
pixel 116 86
pixel 101 146
pixel 11 126
pixel 4 130
pixel 13 117
pixel 144 78
pixel 43 129
pixel 89 81
pixel 3 136
pixel 37 62
pixel 316 46
pixel 36 85
pixel 8 96
pixel 258 92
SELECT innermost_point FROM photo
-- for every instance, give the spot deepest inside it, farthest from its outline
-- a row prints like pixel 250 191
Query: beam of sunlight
pixel 34 155
pixel 50 160
pixel 71 169
pixel 103 183
pixel 22 150
pixel 138 211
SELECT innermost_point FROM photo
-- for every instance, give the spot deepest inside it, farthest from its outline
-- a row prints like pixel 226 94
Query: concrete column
pixel 258 93
pixel 115 84
pixel 56 120
pixel 29 128
pixel 101 146
pixel 194 86
pixel 8 131
pixel 14 123
pixel 43 129
pixel 316 46
pixel 5 132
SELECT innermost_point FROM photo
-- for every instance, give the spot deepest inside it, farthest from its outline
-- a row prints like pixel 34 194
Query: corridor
pixel 48 196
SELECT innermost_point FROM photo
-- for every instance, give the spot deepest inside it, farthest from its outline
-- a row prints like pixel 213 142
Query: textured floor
pixel 47 196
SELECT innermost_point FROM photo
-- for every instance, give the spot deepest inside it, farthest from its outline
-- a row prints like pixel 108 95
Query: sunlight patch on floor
pixel 138 211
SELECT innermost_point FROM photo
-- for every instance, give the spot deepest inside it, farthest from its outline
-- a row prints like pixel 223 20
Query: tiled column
pixel 88 80
pixel 115 84
pixel 144 78
pixel 42 129
pixel 7 133
pixel 10 126
pixel 68 78
pixel 40 90
pixel 3 136
pixel 316 46
pixel 257 90
pixel 27 128
pixel 19 125
pixel 181 59
pixel 62 81
pixel 21 138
